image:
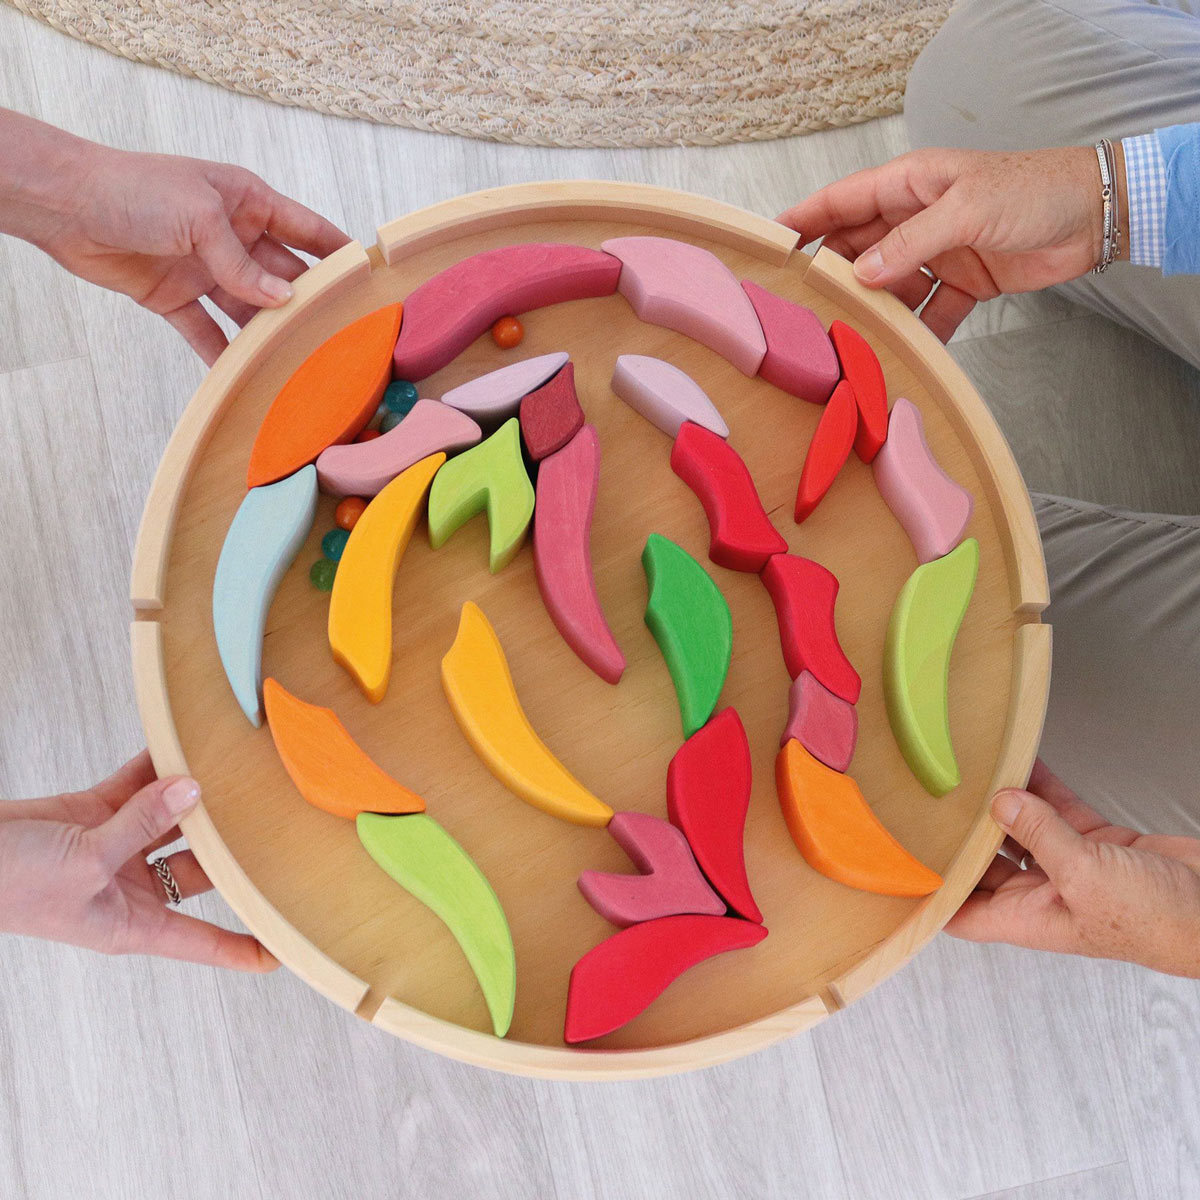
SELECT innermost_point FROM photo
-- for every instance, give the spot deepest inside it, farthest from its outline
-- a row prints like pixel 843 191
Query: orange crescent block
pixel 860 365
pixel 360 607
pixel 329 398
pixel 479 687
pixel 329 768
pixel 837 832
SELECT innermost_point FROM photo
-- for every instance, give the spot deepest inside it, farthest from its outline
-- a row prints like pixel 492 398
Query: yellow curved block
pixel 480 689
pixel 360 607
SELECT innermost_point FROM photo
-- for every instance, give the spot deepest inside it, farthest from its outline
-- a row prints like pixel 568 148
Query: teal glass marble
pixel 400 397
pixel 333 543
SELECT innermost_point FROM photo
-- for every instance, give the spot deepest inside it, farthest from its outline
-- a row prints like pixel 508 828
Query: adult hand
pixel 1095 889
pixel 984 222
pixel 73 869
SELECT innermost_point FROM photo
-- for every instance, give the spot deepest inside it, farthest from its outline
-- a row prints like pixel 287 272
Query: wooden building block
pixel 551 416
pixel 329 398
pixel 479 687
pixel 490 475
pixel 671 882
pixel 860 366
pixel 916 663
pixel 448 312
pixel 838 834
pixel 365 468
pixel 497 395
pixel 828 450
pixel 687 288
pixel 562 520
pixel 800 357
pixel 426 861
pixel 692 625
pixel 824 724
pixel 360 606
pixel 742 537
pixel 805 594
pixel 931 507
pixel 664 395
pixel 618 979
pixel 329 768
pixel 266 535
pixel 708 796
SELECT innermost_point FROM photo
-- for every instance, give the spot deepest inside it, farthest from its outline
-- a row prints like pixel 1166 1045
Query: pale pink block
pixel 800 356
pixel 562 521
pixel 664 395
pixel 685 288
pixel 364 468
pixel 824 724
pixel 448 312
pixel 671 884
pixel 932 508
pixel 498 394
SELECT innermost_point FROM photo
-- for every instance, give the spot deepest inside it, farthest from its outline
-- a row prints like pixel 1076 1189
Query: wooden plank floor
pixel 974 1073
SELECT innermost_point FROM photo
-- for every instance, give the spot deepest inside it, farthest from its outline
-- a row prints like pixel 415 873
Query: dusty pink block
pixel 824 724
pixel 497 395
pixel 800 357
pixel 931 507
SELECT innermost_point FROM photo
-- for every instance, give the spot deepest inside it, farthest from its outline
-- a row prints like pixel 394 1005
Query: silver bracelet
pixel 1108 197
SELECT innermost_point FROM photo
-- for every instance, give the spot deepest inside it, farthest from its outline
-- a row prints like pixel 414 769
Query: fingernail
pixel 1006 807
pixel 276 288
pixel 181 795
pixel 868 265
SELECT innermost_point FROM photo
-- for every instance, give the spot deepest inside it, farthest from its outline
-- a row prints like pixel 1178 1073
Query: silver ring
pixel 1027 861
pixel 163 871
pixel 928 273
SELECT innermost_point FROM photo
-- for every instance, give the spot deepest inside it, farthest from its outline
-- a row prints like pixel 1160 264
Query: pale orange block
pixel 328 767
pixel 328 399
pixel 360 606
pixel 837 832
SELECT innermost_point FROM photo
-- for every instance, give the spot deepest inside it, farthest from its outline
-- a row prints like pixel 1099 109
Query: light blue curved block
pixel 266 535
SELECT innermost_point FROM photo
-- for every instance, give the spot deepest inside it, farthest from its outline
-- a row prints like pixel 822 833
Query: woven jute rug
pixel 574 73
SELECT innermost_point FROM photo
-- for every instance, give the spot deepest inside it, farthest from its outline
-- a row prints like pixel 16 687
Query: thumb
pixel 1033 823
pixel 909 246
pixel 229 262
pixel 143 819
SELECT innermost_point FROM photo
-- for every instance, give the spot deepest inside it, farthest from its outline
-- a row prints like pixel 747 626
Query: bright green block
pixel 916 663
pixel 692 625
pixel 426 861
pixel 489 475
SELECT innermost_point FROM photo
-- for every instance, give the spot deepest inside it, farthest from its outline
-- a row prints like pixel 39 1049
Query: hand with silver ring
pixel 73 869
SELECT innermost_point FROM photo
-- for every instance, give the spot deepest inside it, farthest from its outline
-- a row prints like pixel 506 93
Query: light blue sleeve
pixel 1181 150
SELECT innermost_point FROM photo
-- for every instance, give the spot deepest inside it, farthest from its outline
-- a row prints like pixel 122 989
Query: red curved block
pixel 861 367
pixel 551 416
pixel 618 979
pixel 828 450
pixel 800 357
pixel 708 793
pixel 562 522
pixel 742 536
pixel 448 312
pixel 804 594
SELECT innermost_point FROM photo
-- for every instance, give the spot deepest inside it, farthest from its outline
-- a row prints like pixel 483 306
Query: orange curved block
pixel 330 397
pixel 828 450
pixel 838 834
pixel 329 768
pixel 860 365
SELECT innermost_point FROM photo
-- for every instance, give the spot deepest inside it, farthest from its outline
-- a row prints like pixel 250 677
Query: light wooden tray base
pixel 299 878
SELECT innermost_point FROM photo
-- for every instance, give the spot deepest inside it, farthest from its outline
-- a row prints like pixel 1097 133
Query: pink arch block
pixel 824 724
pixel 664 395
pixel 800 357
pixel 497 395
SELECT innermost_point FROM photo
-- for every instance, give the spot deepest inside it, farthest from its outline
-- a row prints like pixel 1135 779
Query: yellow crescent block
pixel 480 690
pixel 360 607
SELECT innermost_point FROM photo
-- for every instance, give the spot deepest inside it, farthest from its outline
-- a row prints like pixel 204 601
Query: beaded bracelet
pixel 1108 197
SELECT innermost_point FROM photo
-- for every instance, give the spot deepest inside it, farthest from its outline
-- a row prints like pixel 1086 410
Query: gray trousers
pixel 1122 726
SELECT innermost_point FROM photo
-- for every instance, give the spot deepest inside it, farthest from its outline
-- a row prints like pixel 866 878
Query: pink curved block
pixel 670 883
pixel 562 521
pixel 932 508
pixel 448 312
pixel 364 468
pixel 800 357
pixel 824 724
pixel 497 395
pixel 742 537
pixel 664 395
pixel 685 288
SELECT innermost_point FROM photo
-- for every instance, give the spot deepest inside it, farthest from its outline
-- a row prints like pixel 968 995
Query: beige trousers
pixel 1122 727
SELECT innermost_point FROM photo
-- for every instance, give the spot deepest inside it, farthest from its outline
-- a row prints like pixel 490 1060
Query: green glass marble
pixel 400 397
pixel 321 574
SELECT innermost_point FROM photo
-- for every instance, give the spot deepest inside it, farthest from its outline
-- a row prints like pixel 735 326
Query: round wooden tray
pixel 299 878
